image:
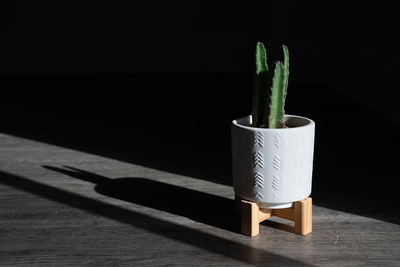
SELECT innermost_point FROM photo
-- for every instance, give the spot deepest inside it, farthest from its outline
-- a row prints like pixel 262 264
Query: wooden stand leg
pixel 303 216
pixel 249 224
pixel 251 216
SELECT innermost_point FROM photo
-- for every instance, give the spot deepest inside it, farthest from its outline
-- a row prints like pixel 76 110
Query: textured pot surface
pixel 273 166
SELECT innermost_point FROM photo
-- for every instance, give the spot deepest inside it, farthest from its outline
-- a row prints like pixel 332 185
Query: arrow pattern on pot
pixel 258 139
pixel 299 162
pixel 278 139
pixel 276 162
pixel 258 159
pixel 299 159
pixel 301 140
pixel 276 183
pixel 298 180
pixel 258 180
pixel 258 195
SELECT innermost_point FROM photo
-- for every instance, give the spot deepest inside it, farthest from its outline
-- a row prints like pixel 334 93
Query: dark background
pixel 157 83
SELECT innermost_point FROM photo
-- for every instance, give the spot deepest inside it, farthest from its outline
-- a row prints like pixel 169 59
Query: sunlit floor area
pixel 60 206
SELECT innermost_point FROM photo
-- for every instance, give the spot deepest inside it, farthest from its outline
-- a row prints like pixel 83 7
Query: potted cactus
pixel 272 152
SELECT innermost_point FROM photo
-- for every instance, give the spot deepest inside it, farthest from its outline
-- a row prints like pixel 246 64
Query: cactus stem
pixel 269 111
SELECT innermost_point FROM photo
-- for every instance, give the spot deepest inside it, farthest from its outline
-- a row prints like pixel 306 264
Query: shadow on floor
pixel 187 132
pixel 201 207
pixel 193 237
pixel 198 206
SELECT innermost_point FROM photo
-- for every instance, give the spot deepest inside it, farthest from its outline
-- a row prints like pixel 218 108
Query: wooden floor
pixel 60 206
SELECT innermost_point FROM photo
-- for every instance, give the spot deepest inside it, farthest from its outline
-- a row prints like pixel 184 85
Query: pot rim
pixel 310 123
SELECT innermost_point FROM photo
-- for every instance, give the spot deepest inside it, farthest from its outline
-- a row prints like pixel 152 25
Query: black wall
pixel 349 46
pixel 107 78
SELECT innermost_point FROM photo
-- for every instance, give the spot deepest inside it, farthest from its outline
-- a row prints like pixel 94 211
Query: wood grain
pixel 86 215
pixel 251 215
pixel 303 216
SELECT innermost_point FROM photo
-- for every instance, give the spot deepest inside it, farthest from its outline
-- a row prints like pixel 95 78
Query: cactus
pixel 261 87
pixel 269 111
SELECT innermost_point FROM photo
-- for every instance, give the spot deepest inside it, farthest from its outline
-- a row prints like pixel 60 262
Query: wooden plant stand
pixel 251 216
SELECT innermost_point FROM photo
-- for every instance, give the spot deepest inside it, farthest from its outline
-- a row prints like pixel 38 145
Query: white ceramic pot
pixel 273 167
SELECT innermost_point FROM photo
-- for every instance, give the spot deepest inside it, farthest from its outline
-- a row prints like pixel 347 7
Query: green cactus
pixel 261 86
pixel 269 111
